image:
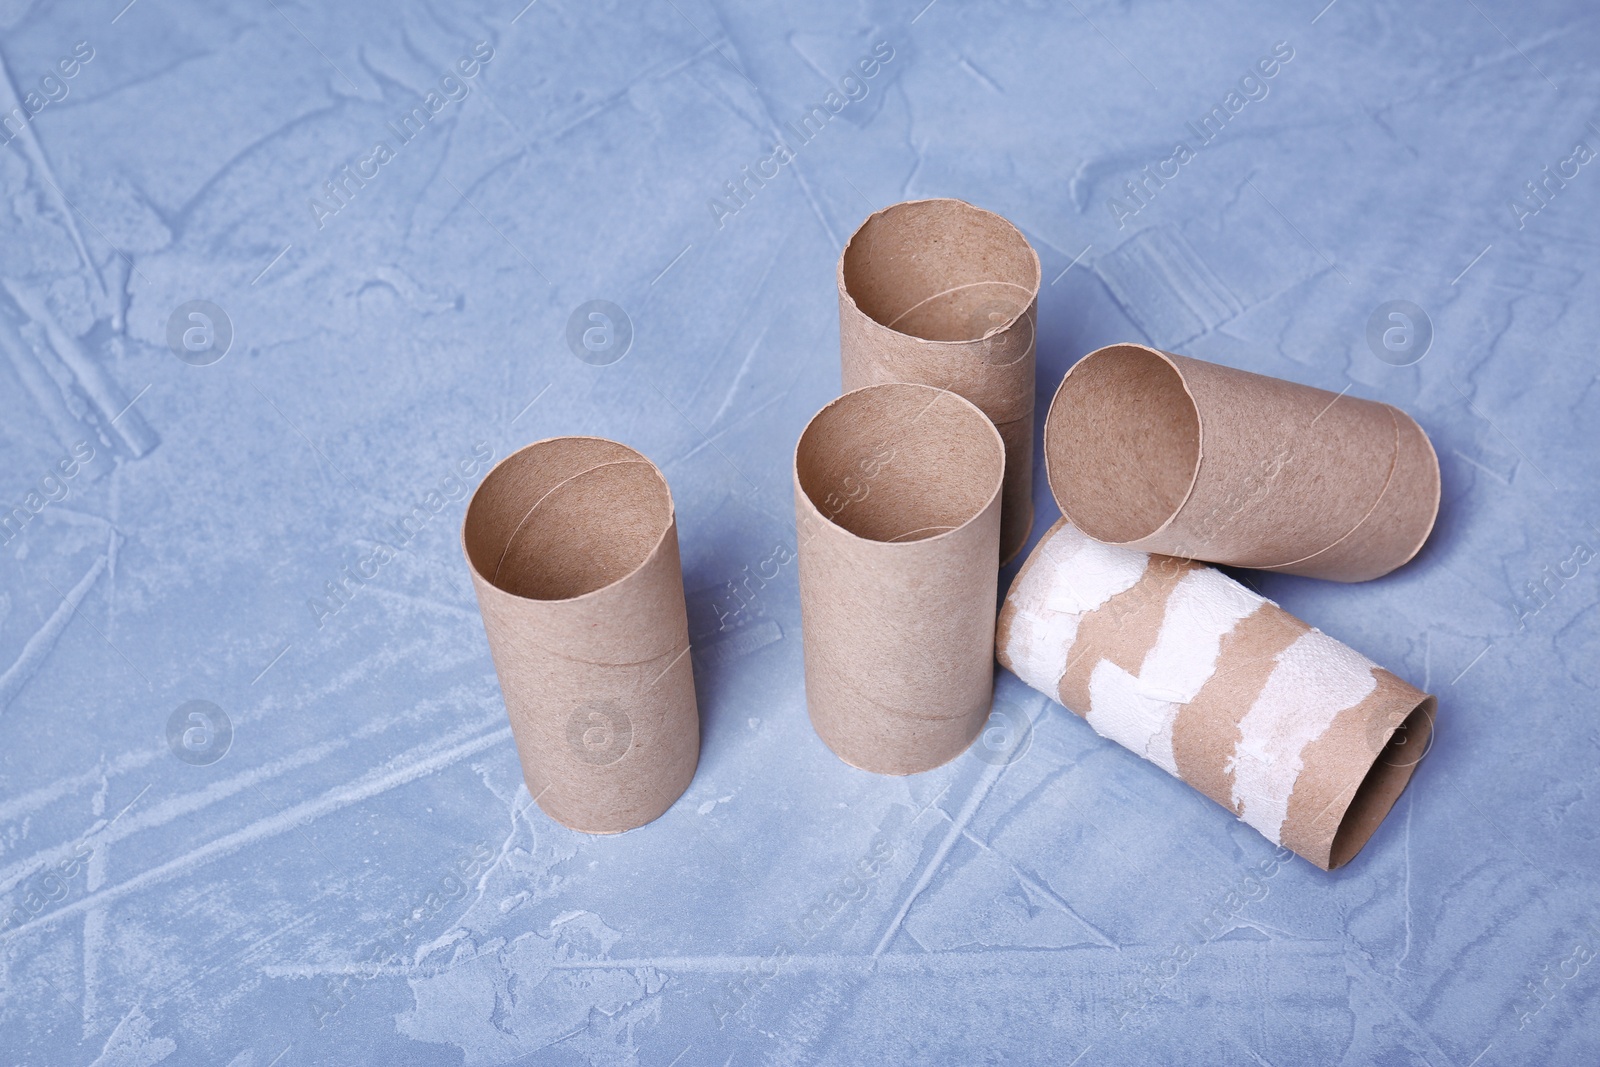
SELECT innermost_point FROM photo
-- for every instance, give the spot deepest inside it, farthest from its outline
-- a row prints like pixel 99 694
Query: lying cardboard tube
pixel 1174 455
pixel 573 547
pixel 942 293
pixel 897 507
pixel 1299 736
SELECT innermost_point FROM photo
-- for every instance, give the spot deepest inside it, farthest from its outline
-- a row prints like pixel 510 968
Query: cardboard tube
pixel 897 506
pixel 943 293
pixel 1174 455
pixel 573 547
pixel 1299 736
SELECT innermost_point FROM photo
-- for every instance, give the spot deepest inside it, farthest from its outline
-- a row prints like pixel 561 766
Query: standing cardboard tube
pixel 573 547
pixel 942 293
pixel 1299 736
pixel 897 507
pixel 1175 455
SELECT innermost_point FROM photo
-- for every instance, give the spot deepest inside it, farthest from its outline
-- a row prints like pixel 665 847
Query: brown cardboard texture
pixel 942 293
pixel 1299 736
pixel 897 504
pixel 573 547
pixel 1169 454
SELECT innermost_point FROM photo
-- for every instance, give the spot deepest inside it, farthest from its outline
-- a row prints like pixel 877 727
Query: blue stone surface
pixel 245 822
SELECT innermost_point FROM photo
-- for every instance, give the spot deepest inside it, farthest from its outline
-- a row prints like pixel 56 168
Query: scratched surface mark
pixel 280 281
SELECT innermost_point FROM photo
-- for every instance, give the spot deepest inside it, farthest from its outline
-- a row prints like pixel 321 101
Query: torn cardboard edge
pixel 573 547
pixel 1168 454
pixel 897 503
pixel 942 293
pixel 1299 736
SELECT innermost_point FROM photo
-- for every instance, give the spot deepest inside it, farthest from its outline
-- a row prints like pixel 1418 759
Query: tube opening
pixel 1383 784
pixel 565 517
pixel 1122 443
pixel 900 462
pixel 940 270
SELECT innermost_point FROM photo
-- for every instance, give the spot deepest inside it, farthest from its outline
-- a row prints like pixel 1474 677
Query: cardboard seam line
pixel 884 367
pixel 843 678
pixel 494 579
pixel 1029 352
pixel 1394 466
pixel 941 393
pixel 956 289
pixel 674 651
pixel 1199 444
pixel 1027 314
pixel 899 539
pixel 1395 414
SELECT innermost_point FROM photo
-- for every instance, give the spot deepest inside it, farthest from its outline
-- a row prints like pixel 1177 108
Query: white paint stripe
pixel 1073 576
pixel 1139 713
pixel 1314 680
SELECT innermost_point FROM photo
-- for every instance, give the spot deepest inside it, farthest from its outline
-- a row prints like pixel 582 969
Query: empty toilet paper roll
pixel 897 508
pixel 573 547
pixel 1175 455
pixel 942 293
pixel 1299 736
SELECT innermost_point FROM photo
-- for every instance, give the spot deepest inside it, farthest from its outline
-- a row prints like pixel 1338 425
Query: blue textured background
pixel 298 900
